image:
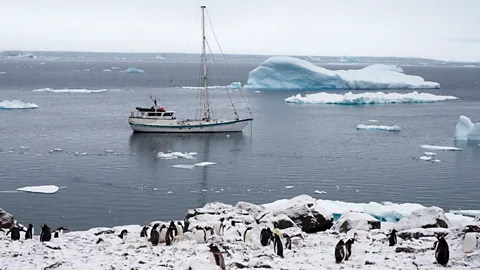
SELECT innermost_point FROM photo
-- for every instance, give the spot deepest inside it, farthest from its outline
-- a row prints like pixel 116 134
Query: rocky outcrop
pixel 420 233
pixel 356 220
pixel 429 217
pixel 6 219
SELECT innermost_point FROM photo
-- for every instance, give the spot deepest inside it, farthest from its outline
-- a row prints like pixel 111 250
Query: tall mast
pixel 206 105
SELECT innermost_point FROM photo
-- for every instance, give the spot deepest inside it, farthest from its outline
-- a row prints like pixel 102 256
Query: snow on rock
pixel 440 148
pixel 429 217
pixel 418 233
pixel 367 98
pixel 16 104
pixel 283 72
pixel 86 91
pixel 374 127
pixel 49 189
pixel 356 220
pixel 466 129
pixel 175 155
pixel 6 219
pixel 133 70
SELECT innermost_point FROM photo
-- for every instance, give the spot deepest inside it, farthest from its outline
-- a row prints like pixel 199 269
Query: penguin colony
pixel 167 235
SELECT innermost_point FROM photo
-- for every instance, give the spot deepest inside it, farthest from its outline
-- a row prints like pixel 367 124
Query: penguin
pixel 340 252
pixel 469 242
pixel 46 234
pixel 123 235
pixel 392 239
pixel 200 235
pixel 247 234
pixel 442 253
pixel 15 233
pixel 288 241
pixel 154 235
pixel 266 236
pixel 209 231
pixel 173 227
pixel 162 233
pixel 348 248
pixel 179 228
pixel 217 255
pixel 219 227
pixel 144 232
pixel 29 232
pixel 170 236
pixel 58 232
pixel 277 243
pixel 99 240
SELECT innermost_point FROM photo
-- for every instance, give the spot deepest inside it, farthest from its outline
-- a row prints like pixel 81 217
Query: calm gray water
pixel 311 147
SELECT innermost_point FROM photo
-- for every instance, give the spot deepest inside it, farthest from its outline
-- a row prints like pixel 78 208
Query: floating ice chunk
pixel 107 70
pixel 467 213
pixel 426 158
pixel 235 85
pixel 466 130
pixel 50 189
pixel 24 147
pixel 289 187
pixel 55 150
pixel 88 91
pixel 320 192
pixel 282 72
pixel 159 57
pixel 27 56
pixel 205 163
pixel 133 70
pixel 430 154
pixel 367 98
pixel 16 104
pixel 373 121
pixel 258 92
pixel 115 67
pixel 373 127
pixel 183 166
pixel 3 72
pixel 175 155
pixel 169 192
pixel 440 148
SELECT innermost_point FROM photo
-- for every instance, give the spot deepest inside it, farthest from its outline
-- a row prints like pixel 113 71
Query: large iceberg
pixel 466 130
pixel 283 72
pixel 367 98
pixel 16 104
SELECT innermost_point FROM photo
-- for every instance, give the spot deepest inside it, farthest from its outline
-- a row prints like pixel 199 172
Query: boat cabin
pixel 152 113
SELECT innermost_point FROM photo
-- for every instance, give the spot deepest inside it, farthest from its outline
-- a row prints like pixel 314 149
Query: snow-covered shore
pixel 314 250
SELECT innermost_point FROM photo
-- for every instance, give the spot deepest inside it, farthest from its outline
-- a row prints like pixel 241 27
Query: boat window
pixel 168 114
pixel 155 114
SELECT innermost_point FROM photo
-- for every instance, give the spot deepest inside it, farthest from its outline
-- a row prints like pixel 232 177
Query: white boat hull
pixel 190 126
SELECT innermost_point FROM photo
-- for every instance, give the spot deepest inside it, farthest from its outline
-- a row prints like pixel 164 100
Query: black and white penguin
pixel 179 228
pixel 144 232
pixel 219 227
pixel 442 253
pixel 392 239
pixel 58 232
pixel 14 233
pixel 209 231
pixel 162 233
pixel 348 248
pixel 172 229
pixel 46 234
pixel 340 252
pixel 266 236
pixel 200 235
pixel 154 235
pixel 247 234
pixel 123 235
pixel 277 243
pixel 217 256
pixel 288 241
pixel 29 232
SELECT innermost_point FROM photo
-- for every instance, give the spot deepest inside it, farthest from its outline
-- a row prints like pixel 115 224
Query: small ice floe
pixel 16 104
pixel 50 189
pixel 155 189
pixel 133 70
pixel 169 192
pixel 205 163
pixel 289 187
pixel 115 67
pixel 373 121
pixel 374 127
pixel 109 151
pixel 258 92
pixel 80 154
pixel 107 70
pixel 440 148
pixel 55 150
pixel 24 147
pixel 184 166
pixel 175 155
pixel 426 158
pixel 320 192
pixel 430 154
pixel 204 190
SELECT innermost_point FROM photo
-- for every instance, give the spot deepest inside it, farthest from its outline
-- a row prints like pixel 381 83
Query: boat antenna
pixel 206 105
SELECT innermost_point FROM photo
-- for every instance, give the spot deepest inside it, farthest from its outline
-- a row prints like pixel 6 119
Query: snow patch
pixel 440 148
pixel 466 129
pixel 16 104
pixel 283 72
pixel 373 127
pixel 175 155
pixel 88 91
pixel 367 98
pixel 50 189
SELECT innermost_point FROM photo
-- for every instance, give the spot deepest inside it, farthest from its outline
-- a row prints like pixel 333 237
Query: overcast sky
pixel 439 29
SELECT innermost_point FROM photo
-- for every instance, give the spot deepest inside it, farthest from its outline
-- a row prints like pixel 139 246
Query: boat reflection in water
pixel 215 147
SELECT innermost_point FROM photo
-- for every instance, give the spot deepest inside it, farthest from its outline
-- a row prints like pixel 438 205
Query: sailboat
pixel 157 119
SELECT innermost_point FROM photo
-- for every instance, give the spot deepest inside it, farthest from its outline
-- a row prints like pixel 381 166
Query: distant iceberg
pixel 50 189
pixel 235 85
pixel 88 91
pixel 367 98
pixel 133 70
pixel 374 127
pixel 283 72
pixel 466 129
pixel 159 57
pixel 16 104
pixel 28 56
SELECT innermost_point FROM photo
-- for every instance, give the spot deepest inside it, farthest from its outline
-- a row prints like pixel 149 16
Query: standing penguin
pixel 469 242
pixel 288 241
pixel 123 235
pixel 172 229
pixel 154 235
pixel 209 231
pixel 58 232
pixel 29 232
pixel 217 255
pixel 46 234
pixel 200 235
pixel 144 232
pixel 392 239
pixel 266 236
pixel 277 243
pixel 247 234
pixel 442 253
pixel 179 228
pixel 348 248
pixel 15 233
pixel 219 227
pixel 340 252
pixel 162 233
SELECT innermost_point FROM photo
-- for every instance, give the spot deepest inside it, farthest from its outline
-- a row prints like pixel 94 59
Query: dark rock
pixel 105 232
pixel 6 219
pixel 53 266
pixel 283 222
pixel 471 228
pixel 420 233
pixel 411 250
pixel 369 263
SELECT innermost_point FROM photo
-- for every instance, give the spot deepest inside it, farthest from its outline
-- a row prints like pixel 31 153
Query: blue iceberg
pixel 288 73
pixel 16 104
pixel 133 70
pixel 235 85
